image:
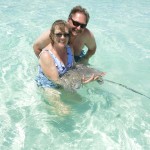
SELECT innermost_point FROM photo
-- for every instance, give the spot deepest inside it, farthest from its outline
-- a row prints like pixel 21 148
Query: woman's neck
pixel 60 53
pixel 59 50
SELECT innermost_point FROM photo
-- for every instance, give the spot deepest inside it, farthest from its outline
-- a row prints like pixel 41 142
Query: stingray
pixel 72 79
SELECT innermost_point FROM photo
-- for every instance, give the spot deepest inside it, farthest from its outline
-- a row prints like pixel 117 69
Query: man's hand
pixel 92 78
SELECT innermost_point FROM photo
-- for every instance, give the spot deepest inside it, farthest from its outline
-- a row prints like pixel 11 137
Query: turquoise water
pixel 106 117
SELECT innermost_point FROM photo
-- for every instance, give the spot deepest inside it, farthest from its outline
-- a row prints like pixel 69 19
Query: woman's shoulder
pixel 45 56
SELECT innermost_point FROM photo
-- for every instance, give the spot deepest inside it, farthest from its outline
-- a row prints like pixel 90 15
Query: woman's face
pixel 61 37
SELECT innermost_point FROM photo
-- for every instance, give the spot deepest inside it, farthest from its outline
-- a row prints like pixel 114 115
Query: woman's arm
pixel 48 66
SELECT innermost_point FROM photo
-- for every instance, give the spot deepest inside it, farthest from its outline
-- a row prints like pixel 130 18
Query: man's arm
pixel 91 45
pixel 90 53
pixel 42 41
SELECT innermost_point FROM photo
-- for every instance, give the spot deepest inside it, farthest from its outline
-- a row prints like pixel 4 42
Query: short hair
pixel 81 10
pixel 62 24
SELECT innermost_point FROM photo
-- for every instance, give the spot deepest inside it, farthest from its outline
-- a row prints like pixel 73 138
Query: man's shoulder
pixel 87 33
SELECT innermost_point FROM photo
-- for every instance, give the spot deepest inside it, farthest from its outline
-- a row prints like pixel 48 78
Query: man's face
pixel 77 23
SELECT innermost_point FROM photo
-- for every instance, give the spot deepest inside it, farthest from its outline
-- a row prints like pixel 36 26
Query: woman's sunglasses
pixel 61 34
pixel 75 23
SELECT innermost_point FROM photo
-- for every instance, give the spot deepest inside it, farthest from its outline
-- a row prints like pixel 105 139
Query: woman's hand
pixel 92 78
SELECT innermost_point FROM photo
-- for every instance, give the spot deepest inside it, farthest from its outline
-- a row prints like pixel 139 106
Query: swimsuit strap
pixel 60 66
pixel 70 57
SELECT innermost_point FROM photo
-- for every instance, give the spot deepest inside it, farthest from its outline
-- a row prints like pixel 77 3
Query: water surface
pixel 102 117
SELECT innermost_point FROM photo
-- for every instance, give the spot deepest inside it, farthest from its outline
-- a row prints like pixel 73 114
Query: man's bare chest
pixel 78 46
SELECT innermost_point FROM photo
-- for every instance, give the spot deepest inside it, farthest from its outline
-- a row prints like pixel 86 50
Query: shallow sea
pixel 102 117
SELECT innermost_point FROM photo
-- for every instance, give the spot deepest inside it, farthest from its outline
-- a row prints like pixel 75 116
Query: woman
pixel 57 57
pixel 54 60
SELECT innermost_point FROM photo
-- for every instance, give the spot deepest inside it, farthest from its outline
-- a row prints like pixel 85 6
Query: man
pixel 80 36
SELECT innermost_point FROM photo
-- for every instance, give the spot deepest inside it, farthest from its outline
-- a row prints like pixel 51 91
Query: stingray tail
pixel 126 87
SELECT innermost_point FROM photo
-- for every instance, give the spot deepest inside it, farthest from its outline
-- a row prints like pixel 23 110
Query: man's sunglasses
pixel 75 23
pixel 61 34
